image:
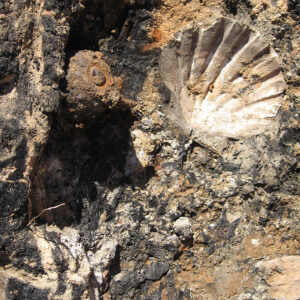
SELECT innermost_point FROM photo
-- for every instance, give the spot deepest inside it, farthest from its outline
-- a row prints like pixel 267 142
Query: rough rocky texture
pixel 283 276
pixel 126 204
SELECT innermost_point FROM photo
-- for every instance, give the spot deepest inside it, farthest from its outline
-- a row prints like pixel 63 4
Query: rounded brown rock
pixel 91 86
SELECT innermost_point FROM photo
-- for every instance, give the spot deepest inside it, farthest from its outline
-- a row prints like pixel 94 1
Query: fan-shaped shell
pixel 225 80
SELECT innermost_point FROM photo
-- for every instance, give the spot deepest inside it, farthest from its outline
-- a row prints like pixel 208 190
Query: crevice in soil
pixel 76 157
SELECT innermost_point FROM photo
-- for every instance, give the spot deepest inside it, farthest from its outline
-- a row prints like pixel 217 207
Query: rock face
pixel 192 193
pixel 183 228
pixel 283 276
pixel 225 79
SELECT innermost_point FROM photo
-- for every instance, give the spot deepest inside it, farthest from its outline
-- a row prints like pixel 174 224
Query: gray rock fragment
pixel 123 282
pixel 100 261
pixel 183 228
pixel 156 270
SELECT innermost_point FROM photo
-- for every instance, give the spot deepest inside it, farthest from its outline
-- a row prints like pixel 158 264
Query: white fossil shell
pixel 225 80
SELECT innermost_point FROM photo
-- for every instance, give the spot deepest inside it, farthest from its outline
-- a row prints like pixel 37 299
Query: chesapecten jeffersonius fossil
pixel 225 80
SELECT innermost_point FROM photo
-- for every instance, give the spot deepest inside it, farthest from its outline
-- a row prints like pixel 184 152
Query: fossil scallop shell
pixel 225 80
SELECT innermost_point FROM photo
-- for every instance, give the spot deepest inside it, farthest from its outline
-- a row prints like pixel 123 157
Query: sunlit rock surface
pixel 102 202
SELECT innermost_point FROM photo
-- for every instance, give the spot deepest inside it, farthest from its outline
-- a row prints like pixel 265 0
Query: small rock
pixel 174 214
pixel 171 243
pixel 139 155
pixel 247 189
pixel 92 88
pixel 123 282
pixel 183 228
pixel 156 270
pixel 263 221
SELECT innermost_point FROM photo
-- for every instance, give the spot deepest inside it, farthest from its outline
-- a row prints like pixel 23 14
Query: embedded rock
pixel 91 86
pixel 156 270
pixel 101 259
pixel 140 155
pixel 183 228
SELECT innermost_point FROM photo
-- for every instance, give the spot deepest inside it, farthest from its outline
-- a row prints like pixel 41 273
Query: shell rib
pixel 225 80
